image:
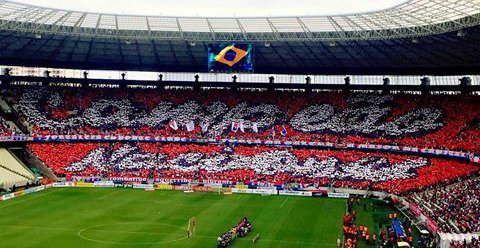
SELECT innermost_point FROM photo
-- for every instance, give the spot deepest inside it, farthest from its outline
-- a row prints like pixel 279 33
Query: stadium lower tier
pixel 266 165
pixel 454 208
pixel 420 121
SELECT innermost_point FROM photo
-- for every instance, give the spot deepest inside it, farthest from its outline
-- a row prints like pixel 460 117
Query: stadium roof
pixel 413 18
pixel 418 37
pixel 220 8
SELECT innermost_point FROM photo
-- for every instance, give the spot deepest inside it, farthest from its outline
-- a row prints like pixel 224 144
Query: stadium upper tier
pixel 413 18
pixel 420 121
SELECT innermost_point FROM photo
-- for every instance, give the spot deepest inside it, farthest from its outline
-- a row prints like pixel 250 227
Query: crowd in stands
pixel 475 243
pixel 455 208
pixel 421 121
pixel 241 229
pixel 6 129
pixel 427 240
pixel 389 172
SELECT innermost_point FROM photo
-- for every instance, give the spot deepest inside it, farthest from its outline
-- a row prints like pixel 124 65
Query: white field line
pixel 109 194
pixel 283 204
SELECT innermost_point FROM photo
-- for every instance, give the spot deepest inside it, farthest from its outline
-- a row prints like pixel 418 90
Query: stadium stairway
pixel 13 171
pixel 5 107
pixel 11 115
pixel 31 161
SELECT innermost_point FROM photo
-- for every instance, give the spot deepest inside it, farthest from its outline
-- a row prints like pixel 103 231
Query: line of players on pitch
pixel 241 229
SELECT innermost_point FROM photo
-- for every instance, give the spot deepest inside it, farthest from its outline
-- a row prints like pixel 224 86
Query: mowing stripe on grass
pixel 79 233
pixel 42 194
pixel 138 214
pixel 40 227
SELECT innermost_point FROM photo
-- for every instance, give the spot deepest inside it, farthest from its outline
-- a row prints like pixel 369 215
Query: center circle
pixel 134 233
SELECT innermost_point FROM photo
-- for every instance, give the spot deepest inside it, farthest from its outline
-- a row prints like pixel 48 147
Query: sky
pixel 225 8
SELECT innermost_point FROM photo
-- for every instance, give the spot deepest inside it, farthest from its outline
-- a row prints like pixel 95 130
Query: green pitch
pixel 75 217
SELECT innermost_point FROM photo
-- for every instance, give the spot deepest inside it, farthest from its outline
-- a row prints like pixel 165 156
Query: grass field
pixel 76 217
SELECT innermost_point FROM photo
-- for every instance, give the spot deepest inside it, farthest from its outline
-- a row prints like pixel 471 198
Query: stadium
pixel 355 128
